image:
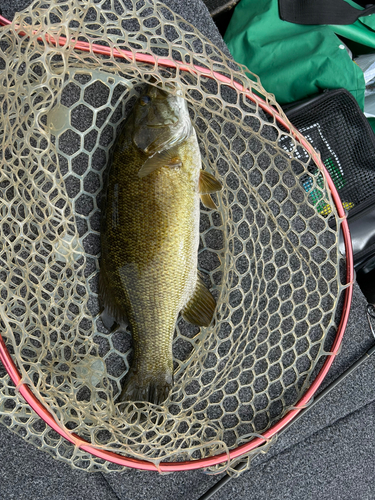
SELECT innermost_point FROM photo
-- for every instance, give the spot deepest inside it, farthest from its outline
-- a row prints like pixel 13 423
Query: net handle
pixel 39 408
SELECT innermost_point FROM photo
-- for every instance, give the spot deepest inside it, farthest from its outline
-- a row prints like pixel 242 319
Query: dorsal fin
pixel 112 310
pixel 201 307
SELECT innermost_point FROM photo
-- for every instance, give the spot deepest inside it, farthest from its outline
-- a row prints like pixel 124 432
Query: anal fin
pixel 200 309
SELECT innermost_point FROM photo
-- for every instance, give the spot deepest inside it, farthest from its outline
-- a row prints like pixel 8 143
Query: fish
pixel 150 237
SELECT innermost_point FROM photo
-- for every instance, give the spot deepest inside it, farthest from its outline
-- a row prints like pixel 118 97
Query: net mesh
pixel 269 253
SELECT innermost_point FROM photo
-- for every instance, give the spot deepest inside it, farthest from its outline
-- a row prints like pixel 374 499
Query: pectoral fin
pixel 208 201
pixel 208 183
pixel 168 158
pixel 201 306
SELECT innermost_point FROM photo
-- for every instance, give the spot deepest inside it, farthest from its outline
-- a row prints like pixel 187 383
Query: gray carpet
pixel 328 454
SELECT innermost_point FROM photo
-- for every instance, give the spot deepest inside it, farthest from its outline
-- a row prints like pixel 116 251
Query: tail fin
pixel 153 388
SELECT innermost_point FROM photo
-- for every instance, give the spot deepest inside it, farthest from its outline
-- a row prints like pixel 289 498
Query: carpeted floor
pixel 327 454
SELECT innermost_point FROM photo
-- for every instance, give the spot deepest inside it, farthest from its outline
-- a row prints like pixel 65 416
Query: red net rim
pixel 42 411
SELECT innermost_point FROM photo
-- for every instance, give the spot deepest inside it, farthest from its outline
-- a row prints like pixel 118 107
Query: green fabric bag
pixel 362 31
pixel 293 61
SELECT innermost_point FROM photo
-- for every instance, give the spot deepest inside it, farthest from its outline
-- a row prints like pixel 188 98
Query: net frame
pixel 244 449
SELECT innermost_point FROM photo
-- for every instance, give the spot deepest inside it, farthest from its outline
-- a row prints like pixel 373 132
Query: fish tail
pixel 154 389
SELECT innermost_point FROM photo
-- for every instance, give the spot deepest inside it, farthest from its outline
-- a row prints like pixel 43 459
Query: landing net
pixel 269 253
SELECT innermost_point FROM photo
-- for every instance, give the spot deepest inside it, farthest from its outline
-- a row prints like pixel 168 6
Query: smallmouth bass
pixel 150 237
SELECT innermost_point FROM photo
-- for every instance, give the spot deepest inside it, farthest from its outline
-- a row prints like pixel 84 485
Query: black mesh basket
pixel 337 128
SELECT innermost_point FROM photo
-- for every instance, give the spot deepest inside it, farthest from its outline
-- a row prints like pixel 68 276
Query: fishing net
pixel 269 253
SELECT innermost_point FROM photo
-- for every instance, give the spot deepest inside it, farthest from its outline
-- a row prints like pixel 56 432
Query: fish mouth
pixel 160 125
pixel 160 122
pixel 161 116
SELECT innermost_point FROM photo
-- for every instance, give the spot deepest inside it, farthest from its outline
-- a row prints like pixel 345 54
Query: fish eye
pixel 145 100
